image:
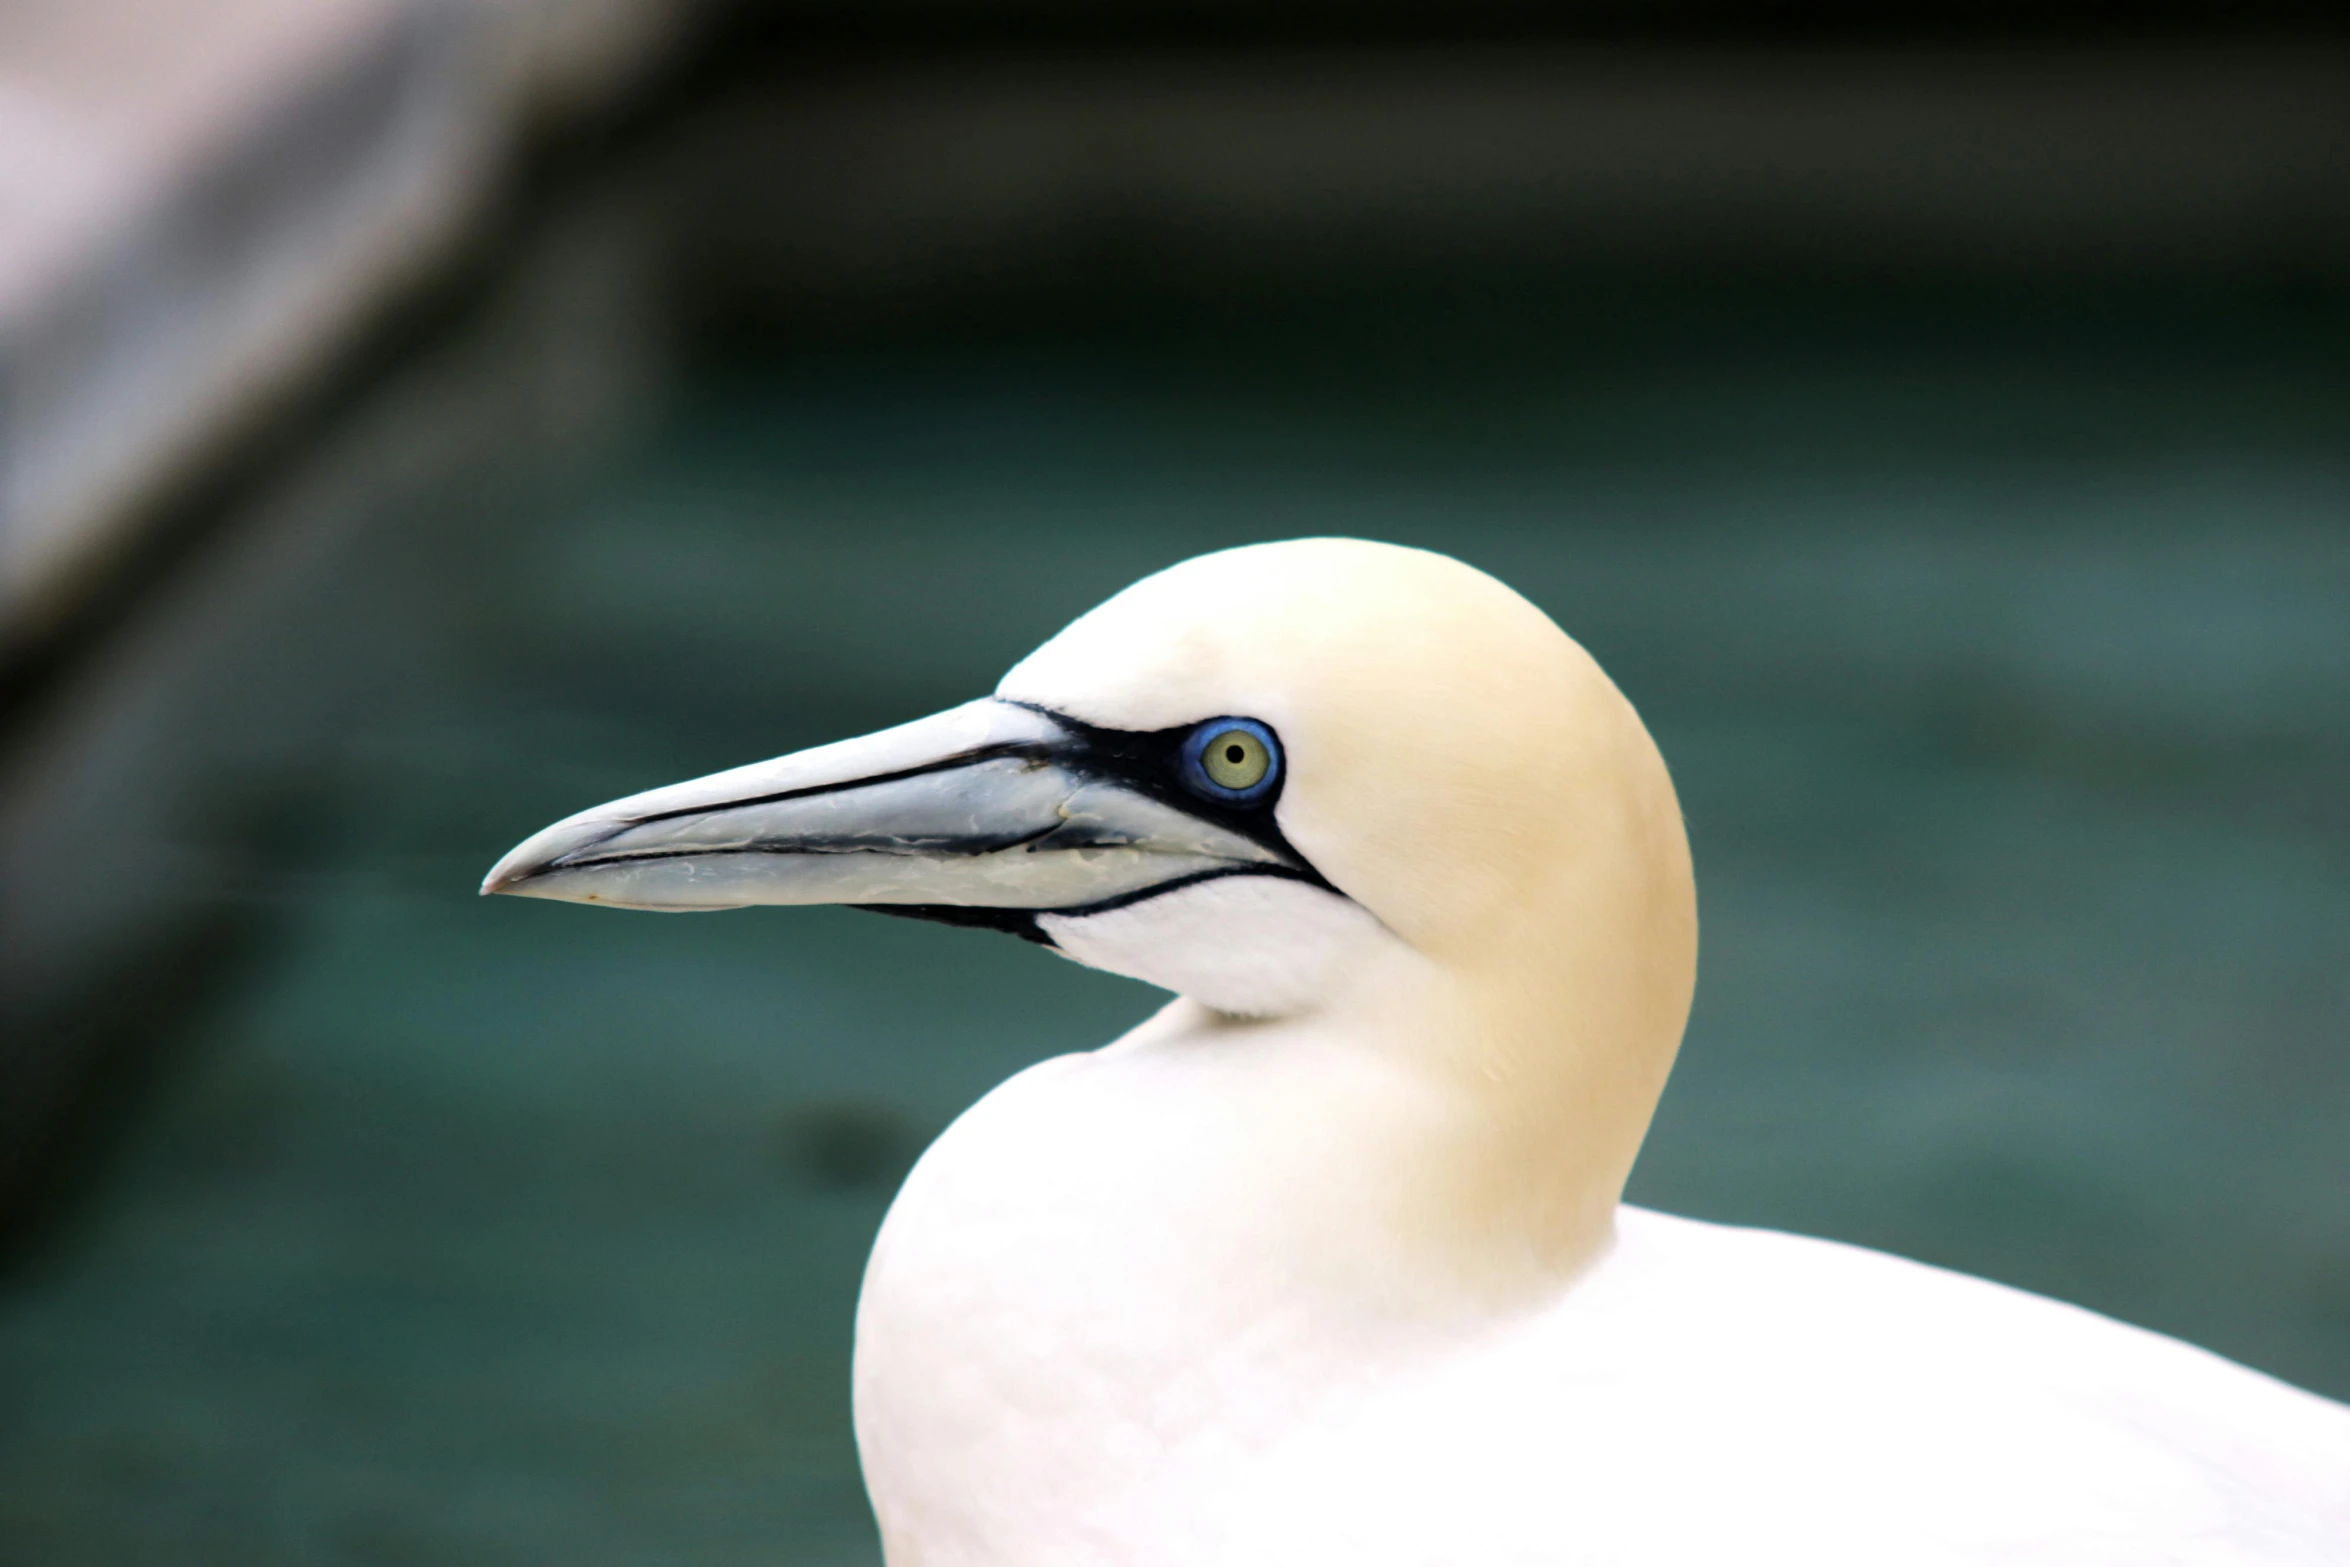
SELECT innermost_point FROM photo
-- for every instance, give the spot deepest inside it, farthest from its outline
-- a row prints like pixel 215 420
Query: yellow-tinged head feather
pixel 1463 769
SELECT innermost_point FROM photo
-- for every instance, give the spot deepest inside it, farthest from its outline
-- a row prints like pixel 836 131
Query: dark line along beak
pixel 988 806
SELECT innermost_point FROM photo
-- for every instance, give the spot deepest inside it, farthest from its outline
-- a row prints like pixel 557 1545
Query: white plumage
pixel 1325 1262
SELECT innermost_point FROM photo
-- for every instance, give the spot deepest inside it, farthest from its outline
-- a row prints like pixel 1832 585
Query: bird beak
pixel 988 806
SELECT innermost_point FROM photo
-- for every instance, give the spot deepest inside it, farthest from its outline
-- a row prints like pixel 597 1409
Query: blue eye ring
pixel 1196 761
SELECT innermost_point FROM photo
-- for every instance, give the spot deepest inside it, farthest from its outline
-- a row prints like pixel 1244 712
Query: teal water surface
pixel 2001 649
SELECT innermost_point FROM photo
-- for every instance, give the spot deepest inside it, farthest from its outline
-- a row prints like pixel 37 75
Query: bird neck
pixel 1441 1144
pixel 1203 1238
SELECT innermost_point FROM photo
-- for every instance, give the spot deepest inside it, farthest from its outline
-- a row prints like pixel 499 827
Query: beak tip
pixel 508 874
pixel 546 851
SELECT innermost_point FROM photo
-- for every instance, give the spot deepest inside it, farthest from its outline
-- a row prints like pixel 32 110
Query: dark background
pixel 1939 423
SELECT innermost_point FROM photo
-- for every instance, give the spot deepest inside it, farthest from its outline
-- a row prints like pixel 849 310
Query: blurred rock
pixel 200 200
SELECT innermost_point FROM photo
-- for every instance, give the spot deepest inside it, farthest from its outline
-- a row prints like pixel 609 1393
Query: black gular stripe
pixel 1013 922
pixel 1022 922
pixel 1149 762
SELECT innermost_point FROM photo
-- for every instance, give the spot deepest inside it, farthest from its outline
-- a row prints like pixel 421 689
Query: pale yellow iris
pixel 1236 760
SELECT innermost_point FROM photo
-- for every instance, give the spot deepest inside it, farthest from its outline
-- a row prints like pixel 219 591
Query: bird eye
pixel 1232 759
pixel 1236 759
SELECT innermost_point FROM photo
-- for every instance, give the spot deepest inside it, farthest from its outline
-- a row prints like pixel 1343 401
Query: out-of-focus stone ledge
pixel 870 189
pixel 200 200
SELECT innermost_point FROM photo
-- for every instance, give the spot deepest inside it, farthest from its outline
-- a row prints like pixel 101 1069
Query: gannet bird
pixel 1325 1263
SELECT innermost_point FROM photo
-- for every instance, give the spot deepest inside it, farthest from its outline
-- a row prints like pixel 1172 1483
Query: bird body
pixel 1066 1357
pixel 1326 1262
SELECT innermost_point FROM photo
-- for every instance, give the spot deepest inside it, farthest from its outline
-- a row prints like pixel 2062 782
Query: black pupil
pixel 1235 754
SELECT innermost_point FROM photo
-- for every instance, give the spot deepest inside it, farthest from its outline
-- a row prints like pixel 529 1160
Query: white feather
pixel 1324 1264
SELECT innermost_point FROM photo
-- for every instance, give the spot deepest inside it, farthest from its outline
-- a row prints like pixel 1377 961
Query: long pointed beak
pixel 987 806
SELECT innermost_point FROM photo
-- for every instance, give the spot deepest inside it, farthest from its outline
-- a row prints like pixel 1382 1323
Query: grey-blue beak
pixel 988 806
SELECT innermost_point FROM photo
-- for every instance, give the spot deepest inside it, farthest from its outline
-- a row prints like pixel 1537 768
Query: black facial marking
pixel 1150 762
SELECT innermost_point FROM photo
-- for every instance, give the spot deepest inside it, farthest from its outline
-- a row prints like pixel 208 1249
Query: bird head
pixel 1290 779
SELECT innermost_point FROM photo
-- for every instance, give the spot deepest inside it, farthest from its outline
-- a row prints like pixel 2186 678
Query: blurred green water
pixel 2001 646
